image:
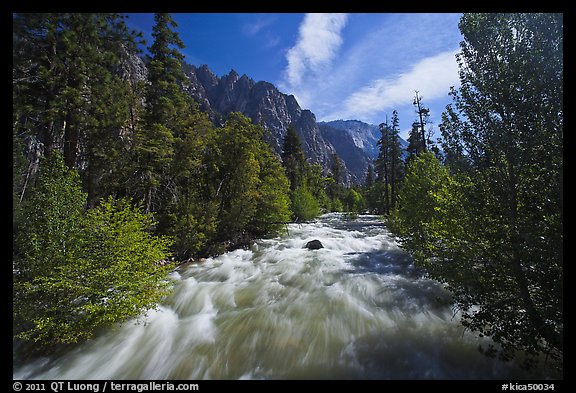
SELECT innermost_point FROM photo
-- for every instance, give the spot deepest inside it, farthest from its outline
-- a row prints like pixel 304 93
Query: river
pixel 356 309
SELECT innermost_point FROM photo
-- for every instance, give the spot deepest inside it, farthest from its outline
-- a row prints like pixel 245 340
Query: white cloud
pixel 318 43
pixel 431 76
pixel 373 65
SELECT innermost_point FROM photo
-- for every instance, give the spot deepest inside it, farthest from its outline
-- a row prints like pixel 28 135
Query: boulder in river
pixel 314 245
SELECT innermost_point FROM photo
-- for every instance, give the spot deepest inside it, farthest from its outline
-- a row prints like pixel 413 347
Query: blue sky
pixel 340 66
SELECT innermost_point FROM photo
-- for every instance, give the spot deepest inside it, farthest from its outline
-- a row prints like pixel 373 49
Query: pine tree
pixel 38 77
pixel 166 114
pixel 414 142
pixel 383 163
pixel 68 94
pixel 395 158
pixel 293 158
pixel 389 162
pixel 335 187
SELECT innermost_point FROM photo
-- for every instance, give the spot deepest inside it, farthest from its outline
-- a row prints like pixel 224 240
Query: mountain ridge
pixel 266 105
pixel 354 141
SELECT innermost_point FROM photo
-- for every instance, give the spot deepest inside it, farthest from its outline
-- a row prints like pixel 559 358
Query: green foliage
pixel 69 94
pixel 245 181
pixel 490 224
pixel 273 201
pixel 318 184
pixel 49 234
pixel 237 175
pixel 429 215
pixel 373 193
pixel 83 262
pixel 334 187
pixel 76 271
pixel 307 186
pixel 354 201
pixel 389 164
pixel 336 205
pixel 511 101
pixel 188 214
pixel 293 158
pixel 304 206
pixel 167 119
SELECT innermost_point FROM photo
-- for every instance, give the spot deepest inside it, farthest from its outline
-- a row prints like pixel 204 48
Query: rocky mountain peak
pixel 264 104
pixel 275 111
pixel 206 77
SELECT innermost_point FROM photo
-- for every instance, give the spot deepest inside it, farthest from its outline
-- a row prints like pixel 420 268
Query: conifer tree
pixel 389 162
pixel 293 158
pixel 166 115
pixel 68 94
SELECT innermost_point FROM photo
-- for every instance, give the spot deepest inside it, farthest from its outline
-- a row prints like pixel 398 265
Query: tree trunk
pixel 386 197
pixel 70 141
pixel 422 131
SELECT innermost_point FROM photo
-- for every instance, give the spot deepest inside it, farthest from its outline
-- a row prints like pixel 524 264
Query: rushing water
pixel 355 309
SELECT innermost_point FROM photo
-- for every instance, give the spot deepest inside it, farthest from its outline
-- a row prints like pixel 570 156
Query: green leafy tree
pixel 424 204
pixel 189 211
pixel 246 181
pixel 237 174
pixel 273 199
pixel 511 100
pixel 493 230
pixel 49 234
pixel 304 206
pixel 318 184
pixel 354 201
pixel 304 180
pixel 77 272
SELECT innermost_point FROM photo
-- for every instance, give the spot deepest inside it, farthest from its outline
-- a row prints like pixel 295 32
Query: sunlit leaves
pixel 78 271
pixel 503 137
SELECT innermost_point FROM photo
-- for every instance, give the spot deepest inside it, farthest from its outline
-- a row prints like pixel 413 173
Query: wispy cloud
pixel 253 28
pixel 261 28
pixel 431 76
pixel 362 66
pixel 318 43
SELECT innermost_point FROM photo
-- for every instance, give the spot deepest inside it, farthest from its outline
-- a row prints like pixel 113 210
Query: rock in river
pixel 314 245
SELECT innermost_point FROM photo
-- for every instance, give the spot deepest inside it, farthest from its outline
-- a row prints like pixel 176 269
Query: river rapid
pixel 356 309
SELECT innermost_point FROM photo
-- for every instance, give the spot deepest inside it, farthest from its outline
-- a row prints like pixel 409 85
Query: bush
pixel 78 271
pixel 304 206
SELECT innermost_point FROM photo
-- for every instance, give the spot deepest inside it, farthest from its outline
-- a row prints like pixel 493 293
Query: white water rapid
pixel 355 309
